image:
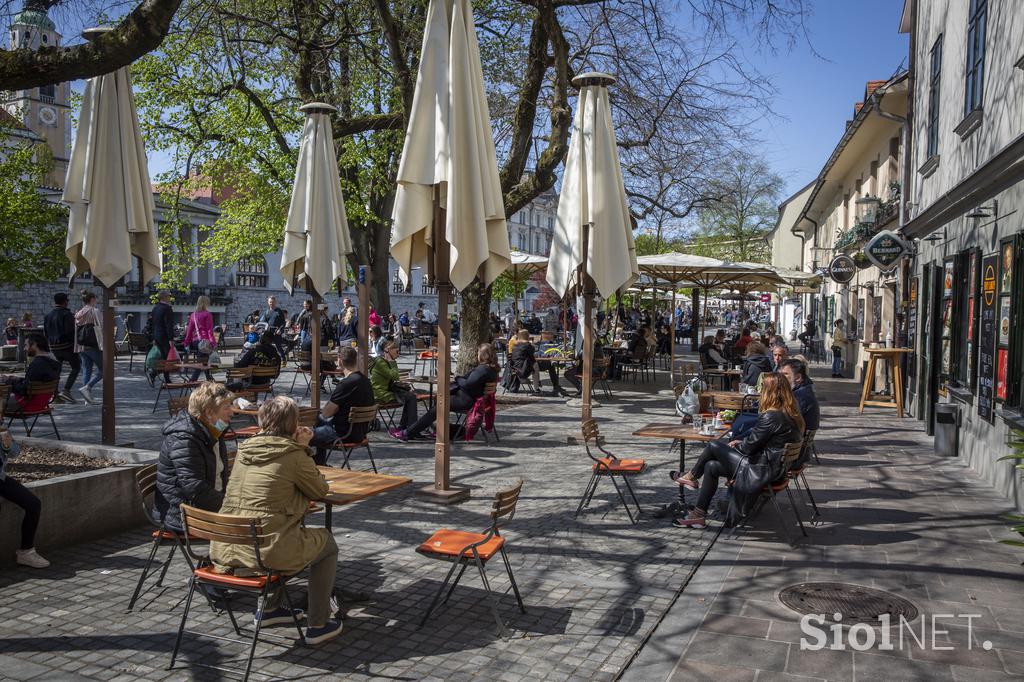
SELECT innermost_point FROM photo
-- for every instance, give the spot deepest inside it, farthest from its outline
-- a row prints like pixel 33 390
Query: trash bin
pixel 947 429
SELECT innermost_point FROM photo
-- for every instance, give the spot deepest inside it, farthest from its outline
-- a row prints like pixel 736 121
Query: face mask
pixel 220 425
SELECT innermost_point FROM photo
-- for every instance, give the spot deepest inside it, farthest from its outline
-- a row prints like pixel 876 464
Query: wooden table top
pixel 722 372
pixel 349 486
pixel 554 358
pixel 420 380
pixel 883 351
pixel 676 432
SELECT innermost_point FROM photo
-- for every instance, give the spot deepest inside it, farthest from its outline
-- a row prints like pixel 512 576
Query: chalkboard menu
pixel 987 337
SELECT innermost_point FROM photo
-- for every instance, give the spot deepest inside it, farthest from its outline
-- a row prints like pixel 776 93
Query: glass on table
pixel 698 422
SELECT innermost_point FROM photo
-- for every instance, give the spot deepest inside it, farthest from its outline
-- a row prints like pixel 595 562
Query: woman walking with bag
pixel 199 336
pixel 89 344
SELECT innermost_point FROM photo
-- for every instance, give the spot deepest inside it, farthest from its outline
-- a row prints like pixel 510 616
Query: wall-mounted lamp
pixel 985 211
pixel 936 236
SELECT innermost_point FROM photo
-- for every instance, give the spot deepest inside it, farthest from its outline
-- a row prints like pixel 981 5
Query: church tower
pixel 45 110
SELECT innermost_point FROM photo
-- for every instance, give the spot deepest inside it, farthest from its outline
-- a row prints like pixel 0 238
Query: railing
pixel 133 293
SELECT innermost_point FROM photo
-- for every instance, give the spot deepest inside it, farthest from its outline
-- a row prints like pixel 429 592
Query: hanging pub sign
pixel 842 269
pixel 987 337
pixel 886 249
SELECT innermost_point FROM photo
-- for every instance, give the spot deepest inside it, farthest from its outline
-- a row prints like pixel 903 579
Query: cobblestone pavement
pixel 894 517
pixel 594 587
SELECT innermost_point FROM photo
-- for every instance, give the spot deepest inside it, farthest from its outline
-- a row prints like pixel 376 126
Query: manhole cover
pixel 855 603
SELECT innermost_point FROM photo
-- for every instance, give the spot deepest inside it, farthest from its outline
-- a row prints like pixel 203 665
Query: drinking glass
pixel 698 422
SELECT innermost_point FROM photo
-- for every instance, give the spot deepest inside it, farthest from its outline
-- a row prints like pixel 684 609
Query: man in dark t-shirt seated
pixel 354 390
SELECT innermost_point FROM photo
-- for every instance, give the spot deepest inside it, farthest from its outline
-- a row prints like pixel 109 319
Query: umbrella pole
pixel 107 415
pixel 694 329
pixel 363 328
pixel 588 332
pixel 314 357
pixel 672 341
pixel 442 490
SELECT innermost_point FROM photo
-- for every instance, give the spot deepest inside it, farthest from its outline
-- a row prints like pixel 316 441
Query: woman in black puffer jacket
pixel 778 424
pixel 193 464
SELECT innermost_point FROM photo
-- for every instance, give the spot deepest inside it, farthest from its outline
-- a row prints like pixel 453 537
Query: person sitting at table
pixel 710 355
pixel 741 343
pixel 11 332
pixel 755 361
pixel 573 373
pixel 779 422
pixel 375 341
pixel 13 491
pixel 464 392
pixel 803 389
pixel 522 361
pixel 42 367
pixel 275 479
pixel 354 390
pixel 779 355
pixel 388 386
pixel 193 464
pixel 263 353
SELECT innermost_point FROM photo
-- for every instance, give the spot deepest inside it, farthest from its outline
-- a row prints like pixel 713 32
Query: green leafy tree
pixel 32 230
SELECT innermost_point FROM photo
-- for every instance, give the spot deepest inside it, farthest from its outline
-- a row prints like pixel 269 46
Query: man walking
pixel 59 326
pixel 275 320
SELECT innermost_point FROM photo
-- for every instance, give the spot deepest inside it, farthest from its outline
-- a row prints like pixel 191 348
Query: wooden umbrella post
pixel 314 356
pixel 363 327
pixel 442 490
pixel 107 418
pixel 588 334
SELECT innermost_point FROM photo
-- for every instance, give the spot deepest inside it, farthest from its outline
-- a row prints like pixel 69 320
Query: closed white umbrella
pixel 110 203
pixel 592 243
pixel 316 236
pixel 449 214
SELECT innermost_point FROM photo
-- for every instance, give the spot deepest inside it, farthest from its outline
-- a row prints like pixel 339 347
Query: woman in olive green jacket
pixel 274 477
pixel 388 386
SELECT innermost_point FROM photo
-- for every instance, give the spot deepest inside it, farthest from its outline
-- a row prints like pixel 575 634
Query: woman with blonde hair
pixel 347 325
pixel 778 423
pixel 199 336
pixel 193 464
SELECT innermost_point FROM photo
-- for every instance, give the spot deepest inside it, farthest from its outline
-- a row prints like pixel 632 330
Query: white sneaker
pixel 29 557
pixel 86 392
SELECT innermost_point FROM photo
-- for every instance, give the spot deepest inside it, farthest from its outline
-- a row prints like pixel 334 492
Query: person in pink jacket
pixel 198 330
pixel 374 318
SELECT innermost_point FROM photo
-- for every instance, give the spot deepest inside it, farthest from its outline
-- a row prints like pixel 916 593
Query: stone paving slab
pixel 894 517
pixel 594 587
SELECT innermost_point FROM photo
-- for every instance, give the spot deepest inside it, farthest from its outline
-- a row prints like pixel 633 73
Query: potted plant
pixel 1016 443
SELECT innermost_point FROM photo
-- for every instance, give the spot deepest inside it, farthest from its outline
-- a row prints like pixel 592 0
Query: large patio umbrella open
pixel 523 267
pixel 592 245
pixel 110 203
pixel 449 214
pixel 316 237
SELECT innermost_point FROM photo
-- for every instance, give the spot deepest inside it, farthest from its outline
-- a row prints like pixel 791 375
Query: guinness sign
pixel 885 250
pixel 842 269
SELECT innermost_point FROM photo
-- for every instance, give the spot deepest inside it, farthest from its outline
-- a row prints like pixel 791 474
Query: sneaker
pixel 398 434
pixel 695 519
pixel 86 392
pixel 29 557
pixel 429 434
pixel 279 616
pixel 329 631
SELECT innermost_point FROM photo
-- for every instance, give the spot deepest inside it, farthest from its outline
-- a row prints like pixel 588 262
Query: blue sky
pixel 857 42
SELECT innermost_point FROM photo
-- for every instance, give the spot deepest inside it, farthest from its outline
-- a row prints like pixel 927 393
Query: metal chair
pixel 165 368
pixel 231 530
pixel 609 466
pixel 463 548
pixel 302 357
pixel 137 343
pixel 770 492
pixel 356 416
pixel 36 388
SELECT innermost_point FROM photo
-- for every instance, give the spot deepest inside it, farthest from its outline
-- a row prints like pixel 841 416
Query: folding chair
pixel 610 467
pixel 809 443
pixel 356 415
pixel 137 343
pixel 36 388
pixel 462 548
pixel 233 375
pixel 231 530
pixel 167 367
pixel 302 357
pixel 602 366
pixel 769 493
pixel 798 477
pixel 269 373
pixel 490 389
pixel 145 478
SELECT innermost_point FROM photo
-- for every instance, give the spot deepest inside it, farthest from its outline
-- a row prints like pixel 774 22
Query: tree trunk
pixel 475 328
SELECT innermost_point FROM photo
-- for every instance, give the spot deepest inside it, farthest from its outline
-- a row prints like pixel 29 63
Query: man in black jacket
pixel 163 326
pixel 59 325
pixel 42 367
pixel 803 390
pixel 354 390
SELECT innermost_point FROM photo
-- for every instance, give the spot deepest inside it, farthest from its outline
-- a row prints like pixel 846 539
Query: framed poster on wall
pixel 987 334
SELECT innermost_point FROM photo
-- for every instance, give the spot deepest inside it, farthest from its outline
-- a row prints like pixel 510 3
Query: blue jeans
pixel 324 436
pixel 837 360
pixel 92 357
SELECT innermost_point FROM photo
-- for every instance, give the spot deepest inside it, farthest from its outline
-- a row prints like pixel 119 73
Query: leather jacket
pixel 763 447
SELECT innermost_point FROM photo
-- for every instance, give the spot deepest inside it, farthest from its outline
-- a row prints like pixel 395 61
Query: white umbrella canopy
pixel 526 264
pixel 316 236
pixel 107 187
pixel 449 145
pixel 593 194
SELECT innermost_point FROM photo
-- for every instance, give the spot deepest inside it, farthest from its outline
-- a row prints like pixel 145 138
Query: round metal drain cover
pixel 855 603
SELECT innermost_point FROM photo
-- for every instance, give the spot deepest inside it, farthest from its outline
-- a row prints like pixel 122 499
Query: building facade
pixel 787 252
pixel 964 216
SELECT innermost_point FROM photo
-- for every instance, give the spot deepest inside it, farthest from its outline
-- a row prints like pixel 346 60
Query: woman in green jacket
pixel 274 478
pixel 387 383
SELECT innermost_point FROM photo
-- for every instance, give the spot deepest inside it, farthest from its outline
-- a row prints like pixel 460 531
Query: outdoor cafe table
pixel 682 433
pixel 551 360
pixel 725 375
pixel 429 381
pixel 347 486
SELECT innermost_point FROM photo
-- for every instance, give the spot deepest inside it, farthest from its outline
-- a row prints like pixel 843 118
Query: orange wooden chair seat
pixel 244 432
pixel 619 466
pixel 171 535
pixel 449 542
pixel 256 582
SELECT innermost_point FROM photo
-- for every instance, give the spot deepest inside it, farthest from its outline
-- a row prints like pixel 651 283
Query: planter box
pixel 79 507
